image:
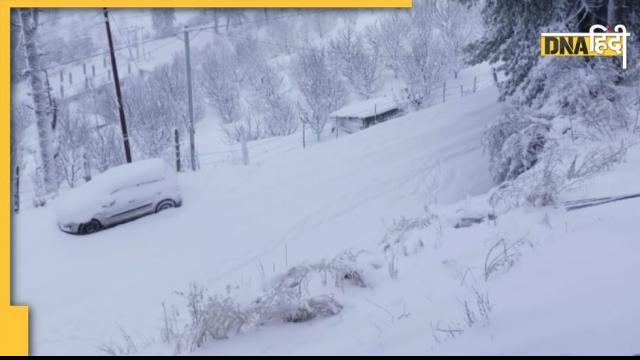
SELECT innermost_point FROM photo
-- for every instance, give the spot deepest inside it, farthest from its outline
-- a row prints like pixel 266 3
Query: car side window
pixel 148 182
pixel 121 190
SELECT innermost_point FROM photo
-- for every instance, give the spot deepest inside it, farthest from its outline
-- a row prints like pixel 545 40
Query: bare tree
pixel 322 91
pixel 220 83
pixel 286 33
pixel 422 64
pixel 248 57
pixel 163 21
pixel 390 33
pixel 270 100
pixel 234 17
pixel 456 23
pixel 73 138
pixel 359 61
pixel 105 147
pixel 322 21
pixel 29 22
pixel 21 118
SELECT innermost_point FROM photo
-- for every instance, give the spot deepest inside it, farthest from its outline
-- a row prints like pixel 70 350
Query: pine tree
pixel 552 99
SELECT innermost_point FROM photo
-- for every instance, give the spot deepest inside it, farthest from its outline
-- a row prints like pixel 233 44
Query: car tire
pixel 90 227
pixel 165 204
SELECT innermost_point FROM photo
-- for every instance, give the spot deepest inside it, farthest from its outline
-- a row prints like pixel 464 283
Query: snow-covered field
pixel 572 288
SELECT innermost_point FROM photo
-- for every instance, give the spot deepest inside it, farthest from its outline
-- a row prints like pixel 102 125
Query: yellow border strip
pixel 14 320
pixel 213 3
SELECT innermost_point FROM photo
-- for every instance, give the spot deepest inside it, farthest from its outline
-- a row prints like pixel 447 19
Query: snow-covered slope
pixel 572 290
pixel 305 204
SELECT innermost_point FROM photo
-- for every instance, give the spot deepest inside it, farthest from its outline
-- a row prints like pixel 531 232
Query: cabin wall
pixel 352 125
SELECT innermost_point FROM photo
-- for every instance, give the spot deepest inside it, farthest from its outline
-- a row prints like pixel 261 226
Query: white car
pixel 119 194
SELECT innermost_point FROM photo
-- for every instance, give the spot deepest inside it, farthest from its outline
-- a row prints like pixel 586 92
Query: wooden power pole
pixel 114 68
pixel 192 129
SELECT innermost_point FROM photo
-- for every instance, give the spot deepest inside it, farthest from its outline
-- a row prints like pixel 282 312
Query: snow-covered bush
pixel 514 144
pixel 125 346
pixel 564 133
pixel 501 257
pixel 397 235
pixel 560 167
pixel 287 298
pixel 214 317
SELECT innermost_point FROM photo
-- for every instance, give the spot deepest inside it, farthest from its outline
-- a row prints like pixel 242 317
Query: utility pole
pixel 192 130
pixel 116 79
pixel 177 145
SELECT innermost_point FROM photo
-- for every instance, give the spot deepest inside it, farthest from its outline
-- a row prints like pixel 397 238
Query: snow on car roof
pixel 79 204
pixel 367 108
pixel 131 174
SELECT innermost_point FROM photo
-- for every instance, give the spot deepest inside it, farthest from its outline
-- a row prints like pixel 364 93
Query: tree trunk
pixel 16 189
pixel 611 11
pixel 29 20
pixel 304 135
pixel 245 149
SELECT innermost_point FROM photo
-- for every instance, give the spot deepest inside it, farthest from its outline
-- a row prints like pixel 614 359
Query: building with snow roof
pixel 361 115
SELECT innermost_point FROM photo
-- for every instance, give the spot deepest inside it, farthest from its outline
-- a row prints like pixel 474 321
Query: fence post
pixel 475 83
pixel 245 149
pixel 86 164
pixel 304 139
pixel 177 140
pixel 16 190
pixel 444 91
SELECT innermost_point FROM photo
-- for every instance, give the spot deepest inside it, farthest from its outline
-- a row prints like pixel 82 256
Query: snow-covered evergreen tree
pixel 556 105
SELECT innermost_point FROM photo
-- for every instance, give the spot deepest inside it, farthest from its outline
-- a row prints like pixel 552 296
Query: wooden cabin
pixel 361 115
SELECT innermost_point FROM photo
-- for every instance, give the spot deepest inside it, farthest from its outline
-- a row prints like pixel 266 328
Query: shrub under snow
pixel 287 298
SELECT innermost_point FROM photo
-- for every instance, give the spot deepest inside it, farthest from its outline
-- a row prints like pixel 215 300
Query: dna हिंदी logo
pixel 599 41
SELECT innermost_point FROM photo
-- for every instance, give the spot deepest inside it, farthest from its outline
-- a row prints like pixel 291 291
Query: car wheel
pixel 165 204
pixel 90 227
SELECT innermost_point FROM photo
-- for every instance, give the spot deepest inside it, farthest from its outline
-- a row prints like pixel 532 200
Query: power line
pixel 157 38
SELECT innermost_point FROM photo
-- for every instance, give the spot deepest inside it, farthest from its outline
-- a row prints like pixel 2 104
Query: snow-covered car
pixel 119 194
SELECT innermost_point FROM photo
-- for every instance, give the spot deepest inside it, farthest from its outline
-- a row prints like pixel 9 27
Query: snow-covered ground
pixel 571 290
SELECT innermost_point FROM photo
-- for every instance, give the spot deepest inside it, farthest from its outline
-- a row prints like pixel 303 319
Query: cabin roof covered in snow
pixel 367 108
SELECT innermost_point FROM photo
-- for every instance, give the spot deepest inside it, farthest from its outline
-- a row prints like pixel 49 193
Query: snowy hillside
pixel 486 206
pixel 307 205
pixel 240 226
